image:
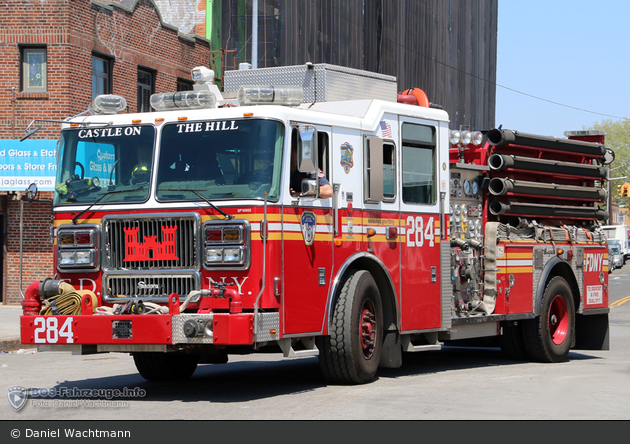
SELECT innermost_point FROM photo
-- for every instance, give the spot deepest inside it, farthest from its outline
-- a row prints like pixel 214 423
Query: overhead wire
pixel 446 65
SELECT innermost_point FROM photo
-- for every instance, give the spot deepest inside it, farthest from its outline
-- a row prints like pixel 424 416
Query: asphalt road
pixel 450 384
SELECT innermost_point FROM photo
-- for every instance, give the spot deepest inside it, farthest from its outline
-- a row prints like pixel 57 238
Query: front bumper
pixel 152 329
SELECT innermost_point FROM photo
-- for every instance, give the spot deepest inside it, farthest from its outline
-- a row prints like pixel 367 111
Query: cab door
pixel 307 247
pixel 421 179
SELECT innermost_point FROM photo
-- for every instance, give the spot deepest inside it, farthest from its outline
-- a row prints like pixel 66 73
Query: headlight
pixel 233 255
pixel 76 259
pixel 226 245
pixel 214 255
pixel 77 249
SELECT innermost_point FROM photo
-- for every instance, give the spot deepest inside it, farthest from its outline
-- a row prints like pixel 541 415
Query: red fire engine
pixel 296 218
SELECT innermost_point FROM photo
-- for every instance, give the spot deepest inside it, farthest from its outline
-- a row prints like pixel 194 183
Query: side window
pixel 380 170
pixel 418 164
pixel 296 177
pixel 389 171
pixel 322 161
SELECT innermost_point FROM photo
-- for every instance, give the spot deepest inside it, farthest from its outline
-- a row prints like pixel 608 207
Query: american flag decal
pixel 386 129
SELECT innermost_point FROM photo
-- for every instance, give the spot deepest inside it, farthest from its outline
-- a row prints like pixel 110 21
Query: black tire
pixel 549 337
pixel 512 342
pixel 352 351
pixel 157 366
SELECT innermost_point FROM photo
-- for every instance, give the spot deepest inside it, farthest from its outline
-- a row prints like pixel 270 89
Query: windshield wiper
pixel 75 218
pixel 227 216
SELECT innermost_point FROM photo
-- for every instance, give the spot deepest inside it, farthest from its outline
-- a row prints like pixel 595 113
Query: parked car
pixel 615 257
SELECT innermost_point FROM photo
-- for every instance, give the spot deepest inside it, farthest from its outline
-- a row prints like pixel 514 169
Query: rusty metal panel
pixel 448 49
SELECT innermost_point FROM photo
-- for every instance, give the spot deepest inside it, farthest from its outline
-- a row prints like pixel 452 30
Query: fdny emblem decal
pixel 308 221
pixel 150 249
pixel 346 157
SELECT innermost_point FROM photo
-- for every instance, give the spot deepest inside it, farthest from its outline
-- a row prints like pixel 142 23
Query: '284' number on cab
pixel 417 232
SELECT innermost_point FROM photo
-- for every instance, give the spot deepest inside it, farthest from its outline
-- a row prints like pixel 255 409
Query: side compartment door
pixel 421 180
pixel 307 245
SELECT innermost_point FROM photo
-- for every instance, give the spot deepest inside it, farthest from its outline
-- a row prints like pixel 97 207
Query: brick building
pixel 55 56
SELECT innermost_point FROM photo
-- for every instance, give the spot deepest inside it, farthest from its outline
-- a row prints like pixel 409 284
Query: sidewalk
pixel 10 327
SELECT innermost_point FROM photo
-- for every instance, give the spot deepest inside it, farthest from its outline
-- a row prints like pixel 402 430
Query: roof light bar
pixel 108 104
pixel 270 95
pixel 183 99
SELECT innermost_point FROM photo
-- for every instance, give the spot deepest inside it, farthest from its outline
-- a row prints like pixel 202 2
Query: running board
pixel 408 346
pixel 310 349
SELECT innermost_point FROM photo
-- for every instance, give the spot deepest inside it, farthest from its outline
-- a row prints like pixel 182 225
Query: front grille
pixel 150 243
pixel 149 287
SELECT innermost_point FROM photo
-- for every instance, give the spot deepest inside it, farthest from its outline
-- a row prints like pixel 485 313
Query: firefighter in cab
pixel 325 189
pixel 140 174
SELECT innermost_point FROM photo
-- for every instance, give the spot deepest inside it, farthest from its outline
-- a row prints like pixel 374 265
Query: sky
pixel 571 52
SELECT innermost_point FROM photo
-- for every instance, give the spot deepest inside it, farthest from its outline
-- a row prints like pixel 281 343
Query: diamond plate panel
pixel 178 329
pixel 267 323
pixel 323 83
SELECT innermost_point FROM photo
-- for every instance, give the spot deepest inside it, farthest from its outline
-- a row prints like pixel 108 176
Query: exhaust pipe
pixel 502 162
pixel 500 137
pixel 501 186
pixel 559 212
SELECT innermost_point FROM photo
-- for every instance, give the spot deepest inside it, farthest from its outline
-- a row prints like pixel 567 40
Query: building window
pixel 34 67
pixel 184 85
pixel 101 76
pixel 146 82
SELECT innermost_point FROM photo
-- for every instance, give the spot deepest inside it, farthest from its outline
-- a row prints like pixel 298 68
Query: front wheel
pixel 158 366
pixel 352 351
pixel 549 337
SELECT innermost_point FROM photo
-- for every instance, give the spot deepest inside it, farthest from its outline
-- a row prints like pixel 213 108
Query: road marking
pixel 618 302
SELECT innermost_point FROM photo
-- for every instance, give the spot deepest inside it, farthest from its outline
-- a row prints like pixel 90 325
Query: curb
pixel 11 344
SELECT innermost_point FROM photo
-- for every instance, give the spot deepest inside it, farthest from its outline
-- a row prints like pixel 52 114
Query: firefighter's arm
pixel 325 191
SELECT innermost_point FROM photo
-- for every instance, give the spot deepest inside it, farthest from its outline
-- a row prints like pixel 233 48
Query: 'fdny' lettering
pixel 593 262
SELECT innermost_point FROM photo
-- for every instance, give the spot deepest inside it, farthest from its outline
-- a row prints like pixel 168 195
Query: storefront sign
pixel 27 162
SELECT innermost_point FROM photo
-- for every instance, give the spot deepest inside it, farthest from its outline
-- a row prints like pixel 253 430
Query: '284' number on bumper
pixel 48 331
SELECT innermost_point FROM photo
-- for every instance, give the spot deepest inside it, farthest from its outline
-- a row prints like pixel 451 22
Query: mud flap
pixel 391 354
pixel 592 332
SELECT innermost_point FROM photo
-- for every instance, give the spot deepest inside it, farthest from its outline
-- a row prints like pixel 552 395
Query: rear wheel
pixel 549 337
pixel 157 366
pixel 352 351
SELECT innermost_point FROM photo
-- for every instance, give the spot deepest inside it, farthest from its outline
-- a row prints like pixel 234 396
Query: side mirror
pixel 310 188
pixel 307 149
pixel 31 193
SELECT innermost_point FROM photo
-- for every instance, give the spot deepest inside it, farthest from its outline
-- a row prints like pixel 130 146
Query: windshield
pixel 105 164
pixel 220 160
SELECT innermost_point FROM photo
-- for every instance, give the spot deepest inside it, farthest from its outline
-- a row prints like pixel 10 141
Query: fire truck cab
pixel 286 214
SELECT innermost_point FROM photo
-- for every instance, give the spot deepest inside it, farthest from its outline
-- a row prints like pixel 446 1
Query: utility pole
pixel 255 34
